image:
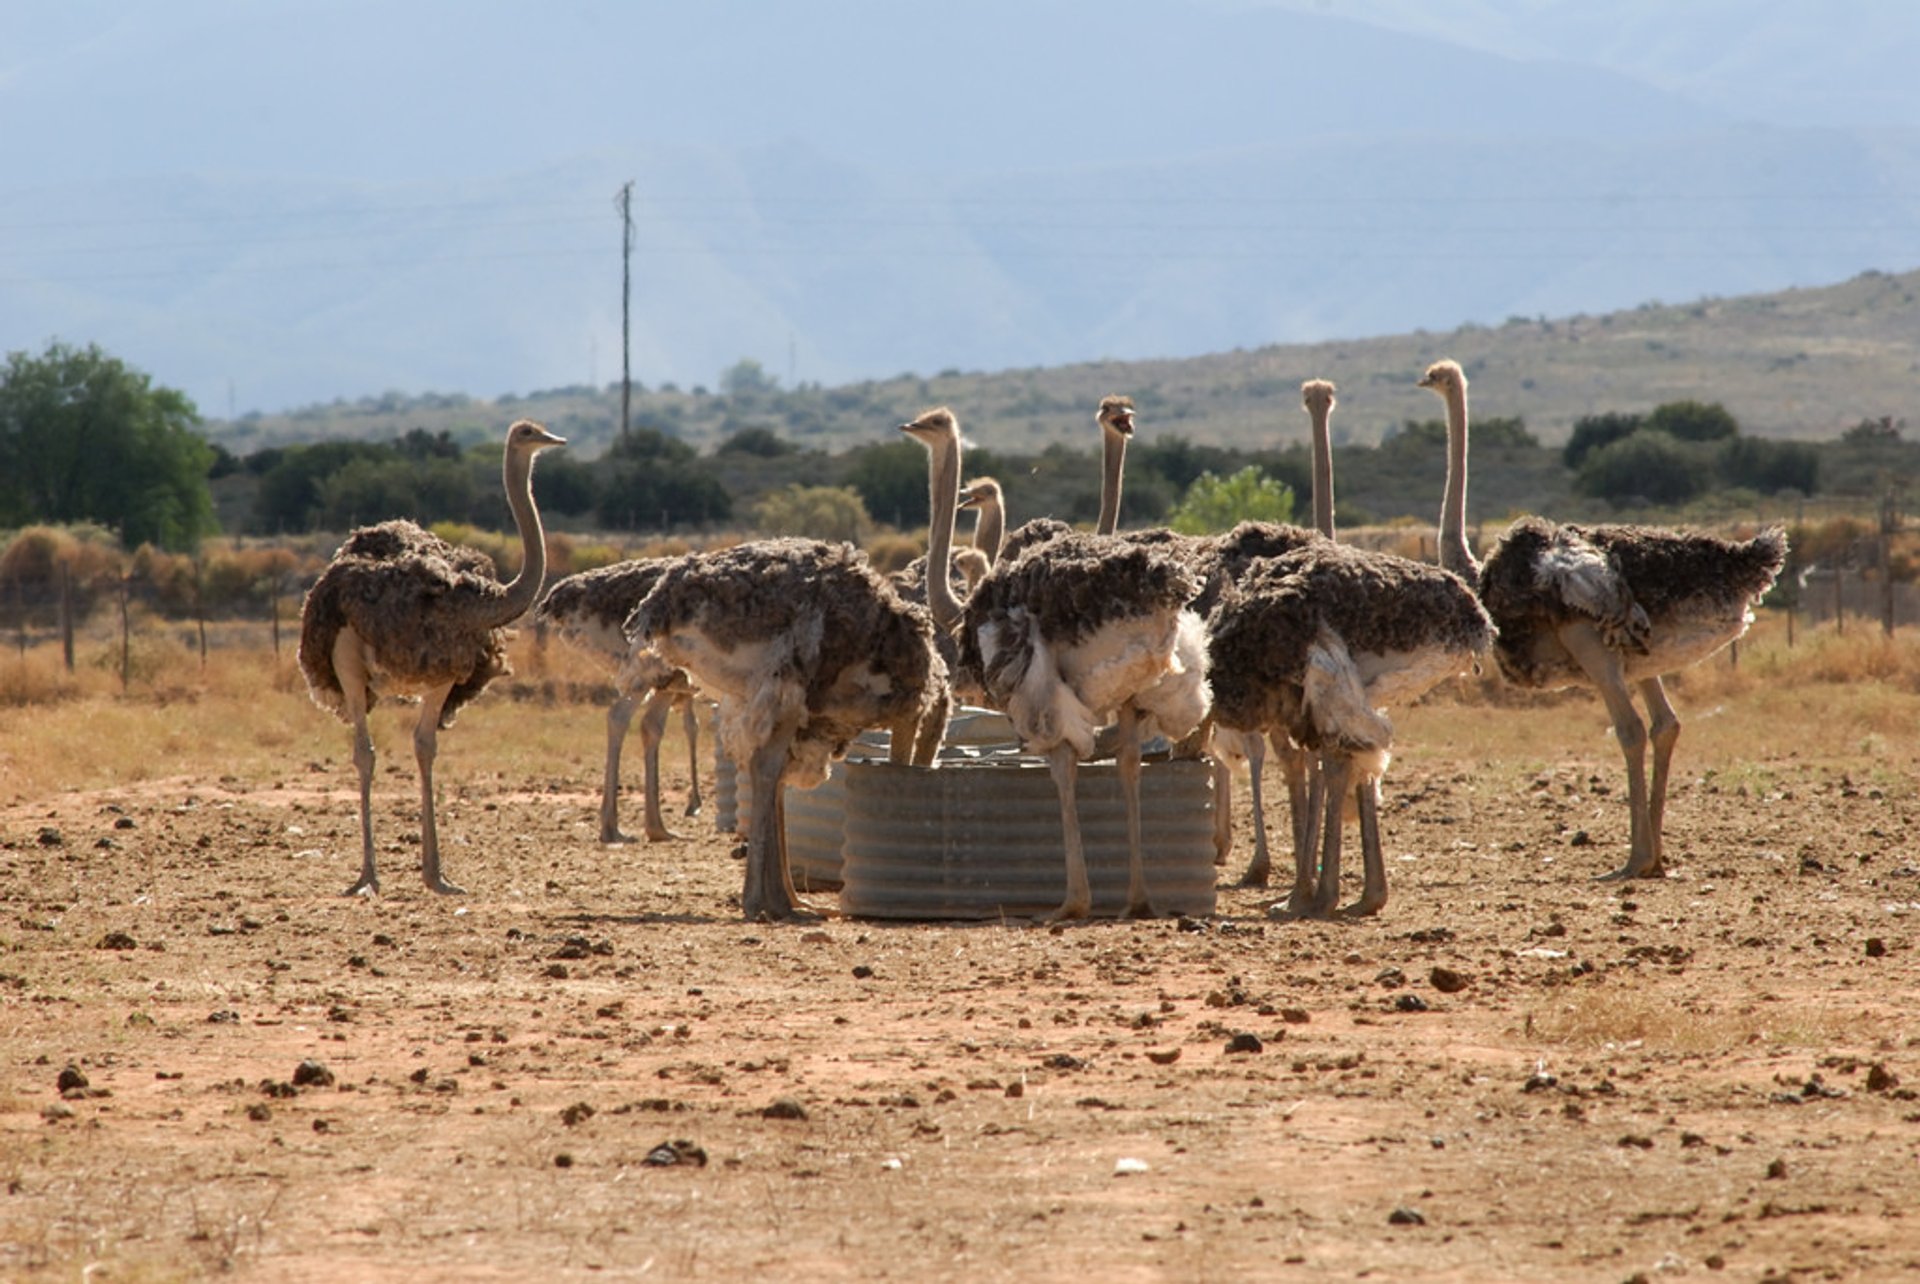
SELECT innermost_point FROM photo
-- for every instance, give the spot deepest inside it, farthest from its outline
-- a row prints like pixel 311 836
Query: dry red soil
pixel 1514 1073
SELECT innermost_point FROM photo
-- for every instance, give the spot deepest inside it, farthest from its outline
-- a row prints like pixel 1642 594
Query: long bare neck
pixel 1455 556
pixel 1113 463
pixel 943 503
pixel 523 589
pixel 990 529
pixel 1322 470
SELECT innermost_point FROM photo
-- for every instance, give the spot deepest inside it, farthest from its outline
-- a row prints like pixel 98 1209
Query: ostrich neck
pixel 943 503
pixel 990 530
pixel 1113 463
pixel 1455 556
pixel 1322 473
pixel 523 588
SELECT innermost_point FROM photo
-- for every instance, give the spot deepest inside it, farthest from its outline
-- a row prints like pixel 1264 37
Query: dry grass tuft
pixel 1596 1016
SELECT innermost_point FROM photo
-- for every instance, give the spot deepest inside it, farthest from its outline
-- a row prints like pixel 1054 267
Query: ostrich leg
pixel 1262 862
pixel 1128 760
pixel 768 894
pixel 1300 901
pixel 352 673
pixel 1664 733
pixel 1373 895
pixel 425 744
pixel 1293 763
pixel 1065 768
pixel 1604 670
pixel 619 715
pixel 653 726
pixel 1222 805
pixel 690 723
pixel 1337 772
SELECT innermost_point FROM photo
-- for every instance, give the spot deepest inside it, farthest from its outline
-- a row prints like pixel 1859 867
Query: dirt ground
pixel 1514 1073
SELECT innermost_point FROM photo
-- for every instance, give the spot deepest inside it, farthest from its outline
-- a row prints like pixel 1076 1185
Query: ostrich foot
pixel 615 837
pixel 692 807
pixel 1299 903
pixel 367 886
pixel 795 910
pixel 1365 907
pixel 444 888
pixel 661 834
pixel 1256 875
pixel 1070 909
pixel 1634 869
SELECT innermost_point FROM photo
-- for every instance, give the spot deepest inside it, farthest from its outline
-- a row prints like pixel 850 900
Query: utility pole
pixel 624 203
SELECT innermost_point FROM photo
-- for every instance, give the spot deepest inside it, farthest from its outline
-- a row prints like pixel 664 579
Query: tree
pixel 1694 421
pixel 84 437
pixel 892 481
pixel 1646 468
pixel 1592 432
pixel 758 440
pixel 650 480
pixel 1495 432
pixel 747 379
pixel 818 512
pixel 1770 466
pixel 1215 504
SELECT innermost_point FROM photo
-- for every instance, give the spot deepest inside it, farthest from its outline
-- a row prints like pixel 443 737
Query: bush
pixel 1646 468
pixel 818 512
pixel 1770 466
pixel 1216 504
pixel 1593 432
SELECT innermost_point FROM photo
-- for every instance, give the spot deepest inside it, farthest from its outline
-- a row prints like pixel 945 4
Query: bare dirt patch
pixel 1513 1073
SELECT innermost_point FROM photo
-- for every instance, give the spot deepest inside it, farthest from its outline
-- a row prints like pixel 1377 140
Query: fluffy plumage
pixel 402 610
pixel 423 603
pixel 1311 645
pixel 805 645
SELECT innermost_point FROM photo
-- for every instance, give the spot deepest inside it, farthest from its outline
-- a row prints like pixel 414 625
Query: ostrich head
pixel 1442 376
pixel 1317 395
pixel 1116 415
pixel 528 438
pixel 981 492
pixel 933 426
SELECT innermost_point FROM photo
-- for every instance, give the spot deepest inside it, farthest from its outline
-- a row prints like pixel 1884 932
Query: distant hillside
pixel 1804 364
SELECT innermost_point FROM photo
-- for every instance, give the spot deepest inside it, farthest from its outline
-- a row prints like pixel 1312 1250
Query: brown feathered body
pixel 1663 599
pixel 794 631
pixel 1315 642
pixel 1064 632
pixel 428 613
pixel 591 608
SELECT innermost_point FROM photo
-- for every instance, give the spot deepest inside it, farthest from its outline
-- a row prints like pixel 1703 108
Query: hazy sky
pixel 273 202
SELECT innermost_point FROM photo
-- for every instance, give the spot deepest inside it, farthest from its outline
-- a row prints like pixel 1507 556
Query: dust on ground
pixel 1515 1072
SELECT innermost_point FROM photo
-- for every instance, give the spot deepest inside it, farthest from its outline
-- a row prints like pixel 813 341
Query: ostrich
pixel 1069 631
pixel 1115 417
pixel 969 565
pixel 984 496
pixel 1612 606
pixel 806 646
pixel 590 610
pixel 401 608
pixel 1236 553
pixel 1308 647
